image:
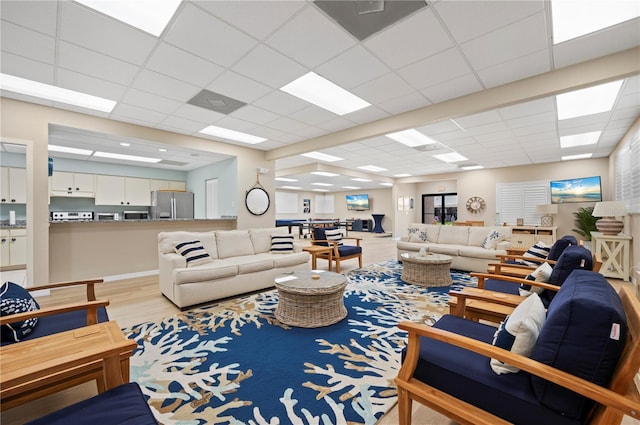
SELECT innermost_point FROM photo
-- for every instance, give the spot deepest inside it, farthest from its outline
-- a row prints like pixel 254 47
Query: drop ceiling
pixel 246 50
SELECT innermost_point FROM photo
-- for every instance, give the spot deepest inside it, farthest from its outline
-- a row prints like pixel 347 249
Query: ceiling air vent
pixel 216 102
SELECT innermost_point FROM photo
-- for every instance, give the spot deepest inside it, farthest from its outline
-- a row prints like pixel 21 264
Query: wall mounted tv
pixel 358 202
pixel 586 189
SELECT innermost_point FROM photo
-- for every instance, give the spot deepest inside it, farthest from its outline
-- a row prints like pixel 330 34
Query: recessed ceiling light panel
pixel 66 149
pixel 322 156
pixel 324 173
pixel 225 133
pixel 411 138
pixel 582 139
pixel 322 184
pixel 111 155
pixel 579 156
pixel 359 179
pixel 589 101
pixel 373 168
pixel 285 179
pixel 451 157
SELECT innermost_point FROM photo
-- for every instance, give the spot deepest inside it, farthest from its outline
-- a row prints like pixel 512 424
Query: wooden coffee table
pixel 310 303
pixel 427 270
pixel 42 366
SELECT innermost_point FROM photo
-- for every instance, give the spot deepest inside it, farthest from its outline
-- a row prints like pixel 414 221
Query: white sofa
pixel 463 243
pixel 241 262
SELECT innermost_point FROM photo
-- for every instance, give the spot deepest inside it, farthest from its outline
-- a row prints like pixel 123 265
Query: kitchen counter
pixel 20 224
pixel 163 220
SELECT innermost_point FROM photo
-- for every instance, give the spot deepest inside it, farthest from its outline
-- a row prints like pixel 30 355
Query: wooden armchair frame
pixel 619 399
pixel 335 253
pixel 510 269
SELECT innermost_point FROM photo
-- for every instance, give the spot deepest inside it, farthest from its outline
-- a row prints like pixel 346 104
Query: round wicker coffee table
pixel 310 303
pixel 427 270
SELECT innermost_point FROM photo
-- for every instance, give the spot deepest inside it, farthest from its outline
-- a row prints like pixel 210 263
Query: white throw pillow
pixel 193 252
pixel 541 274
pixel 333 235
pixel 492 239
pixel 519 332
pixel 281 244
pixel 418 237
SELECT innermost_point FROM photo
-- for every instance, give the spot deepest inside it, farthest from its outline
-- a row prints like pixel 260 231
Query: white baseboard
pixel 130 275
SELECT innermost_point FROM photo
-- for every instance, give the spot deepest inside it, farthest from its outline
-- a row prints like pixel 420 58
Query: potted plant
pixel 585 222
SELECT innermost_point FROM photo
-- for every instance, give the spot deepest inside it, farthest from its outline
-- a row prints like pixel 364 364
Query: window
pixel 519 200
pixel 627 176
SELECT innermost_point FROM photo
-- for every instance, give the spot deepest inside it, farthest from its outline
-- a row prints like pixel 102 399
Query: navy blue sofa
pixel 439 369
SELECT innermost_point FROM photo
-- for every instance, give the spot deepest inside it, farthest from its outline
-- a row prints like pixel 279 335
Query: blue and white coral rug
pixel 233 363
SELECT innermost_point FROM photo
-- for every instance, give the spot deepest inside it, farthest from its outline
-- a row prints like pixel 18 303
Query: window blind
pixel 627 175
pixel 519 200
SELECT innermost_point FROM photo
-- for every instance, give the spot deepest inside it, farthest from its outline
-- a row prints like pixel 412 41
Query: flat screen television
pixel 358 202
pixel 585 189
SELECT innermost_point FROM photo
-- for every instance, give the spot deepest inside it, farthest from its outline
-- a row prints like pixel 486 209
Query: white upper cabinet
pixel 117 190
pixel 13 185
pixel 73 184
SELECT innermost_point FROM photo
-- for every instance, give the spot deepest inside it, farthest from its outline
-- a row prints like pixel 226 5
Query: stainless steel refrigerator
pixel 171 205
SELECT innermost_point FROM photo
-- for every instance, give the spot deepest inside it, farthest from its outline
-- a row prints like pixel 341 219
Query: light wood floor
pixel 138 300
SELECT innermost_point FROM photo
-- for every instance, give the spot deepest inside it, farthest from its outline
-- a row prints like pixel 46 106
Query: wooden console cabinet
pixel 527 236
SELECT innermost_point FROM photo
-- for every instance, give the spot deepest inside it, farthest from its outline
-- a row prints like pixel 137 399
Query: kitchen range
pixel 71 216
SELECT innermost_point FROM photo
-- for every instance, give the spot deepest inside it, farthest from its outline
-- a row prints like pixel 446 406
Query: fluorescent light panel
pixel 325 94
pixel 451 157
pixel 579 156
pixel 359 179
pixel 322 184
pixel 411 138
pixel 99 154
pixel 150 16
pixel 373 168
pixel 320 190
pixel 285 179
pixel 55 94
pixel 572 19
pixel 589 101
pixel 472 167
pixel 324 173
pixel 291 187
pixel 580 139
pixel 225 133
pixel 402 175
pixel 351 187
pixel 322 156
pixel 386 184
pixel 65 149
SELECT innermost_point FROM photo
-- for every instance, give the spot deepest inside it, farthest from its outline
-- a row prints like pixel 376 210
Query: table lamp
pixel 547 210
pixel 609 210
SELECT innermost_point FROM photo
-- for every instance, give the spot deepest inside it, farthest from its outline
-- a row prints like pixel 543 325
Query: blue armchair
pixel 330 236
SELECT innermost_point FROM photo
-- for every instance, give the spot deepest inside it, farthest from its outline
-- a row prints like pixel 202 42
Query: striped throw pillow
pixel 334 235
pixel 281 244
pixel 194 253
pixel 539 251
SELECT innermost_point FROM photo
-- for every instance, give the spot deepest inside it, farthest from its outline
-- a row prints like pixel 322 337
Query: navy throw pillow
pixel 15 299
pixel 559 246
pixel 574 257
pixel 584 335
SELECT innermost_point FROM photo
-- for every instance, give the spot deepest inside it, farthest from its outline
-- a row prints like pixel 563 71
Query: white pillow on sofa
pixel 541 274
pixel 193 252
pixel 519 332
pixel 492 239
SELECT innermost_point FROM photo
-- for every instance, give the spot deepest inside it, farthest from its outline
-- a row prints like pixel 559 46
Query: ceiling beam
pixel 596 71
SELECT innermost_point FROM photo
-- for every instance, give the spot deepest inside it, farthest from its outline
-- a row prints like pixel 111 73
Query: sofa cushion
pixel 458 235
pixel 333 235
pixel 261 238
pixel 540 274
pixel 212 271
pixel 281 244
pixel 253 263
pixel 233 243
pixel 537 253
pixel 519 331
pixel 193 252
pixel 584 335
pixel 15 299
pixel 451 250
pixel 290 259
pixel 477 235
pixel 167 241
pixel 477 252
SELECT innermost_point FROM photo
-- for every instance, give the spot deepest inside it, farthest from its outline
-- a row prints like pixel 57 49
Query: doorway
pixel 441 208
pixel 211 198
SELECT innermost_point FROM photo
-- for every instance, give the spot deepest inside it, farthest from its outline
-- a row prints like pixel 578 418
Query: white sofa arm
pixel 503 245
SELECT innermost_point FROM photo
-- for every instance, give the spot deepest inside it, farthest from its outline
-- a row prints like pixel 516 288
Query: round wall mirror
pixel 257 201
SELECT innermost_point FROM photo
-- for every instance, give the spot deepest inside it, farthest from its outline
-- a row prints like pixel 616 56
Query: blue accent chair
pixel 580 371
pixel 340 251
pixel 122 405
pixel 513 265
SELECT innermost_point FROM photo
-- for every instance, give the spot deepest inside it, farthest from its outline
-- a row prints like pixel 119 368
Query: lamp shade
pixel 608 210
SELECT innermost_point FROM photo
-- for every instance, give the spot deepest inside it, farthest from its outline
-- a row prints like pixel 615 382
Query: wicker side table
pixel 428 270
pixel 310 303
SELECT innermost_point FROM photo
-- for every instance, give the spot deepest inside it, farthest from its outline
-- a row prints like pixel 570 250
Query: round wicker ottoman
pixel 310 303
pixel 427 270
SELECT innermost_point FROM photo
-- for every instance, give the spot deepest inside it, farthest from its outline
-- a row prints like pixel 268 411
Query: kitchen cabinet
pixel 13 185
pixel 73 184
pixel 117 190
pixel 13 247
pixel 167 185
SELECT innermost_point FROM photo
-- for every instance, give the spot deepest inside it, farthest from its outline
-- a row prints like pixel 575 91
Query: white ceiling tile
pixel 528 120
pixel 422 31
pixel 182 124
pixel 150 101
pixel 471 19
pixel 511 42
pixel 516 69
pixel 436 69
pixel 249 16
pixel 26 68
pixel 312 115
pixel 196 113
pixel 208 37
pixel 152 82
pixel 37 15
pixel 404 103
pixel 24 42
pixel 178 64
pixel 254 114
pixel 236 124
pixel 384 88
pixel 135 112
pixel 281 103
pixel 368 114
pixel 311 38
pixel 286 125
pixel 337 123
pixel 89 85
pixel 362 66
pixel 542 128
pixel 238 87
pixel 470 121
pixel 269 67
pixel 534 107
pixel 451 89
pixel 95 31
pixel 97 65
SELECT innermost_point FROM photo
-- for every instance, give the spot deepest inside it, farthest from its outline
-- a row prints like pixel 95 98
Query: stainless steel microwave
pixel 135 215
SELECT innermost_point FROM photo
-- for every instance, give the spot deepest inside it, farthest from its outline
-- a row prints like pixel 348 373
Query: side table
pixel 614 251
pixel 377 220
pixel 314 250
